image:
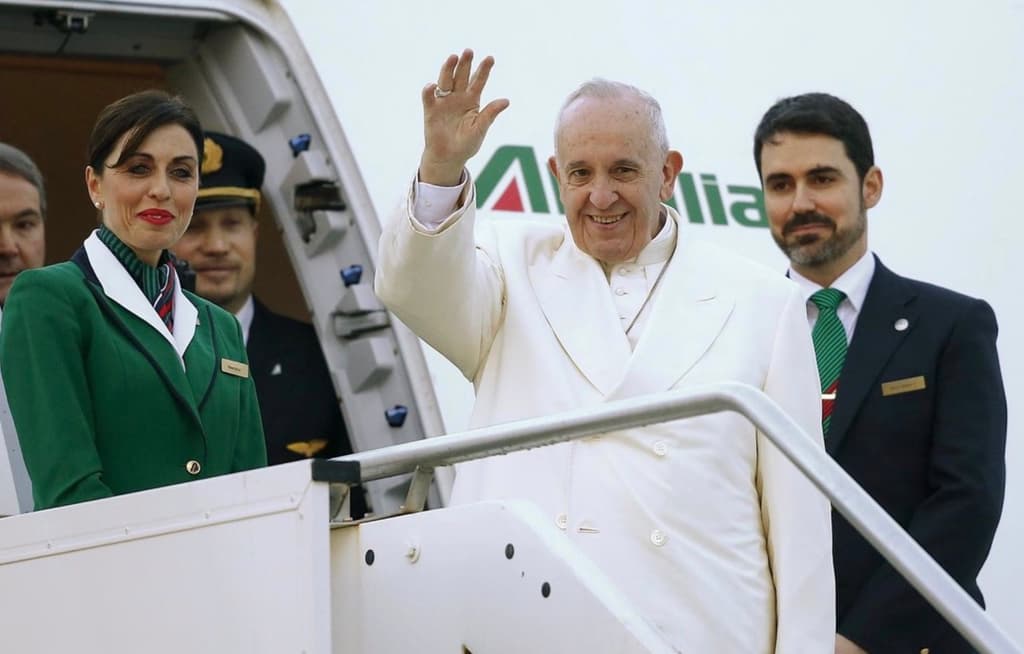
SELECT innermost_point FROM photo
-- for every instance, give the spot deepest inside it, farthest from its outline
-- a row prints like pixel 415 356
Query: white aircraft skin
pixel 939 86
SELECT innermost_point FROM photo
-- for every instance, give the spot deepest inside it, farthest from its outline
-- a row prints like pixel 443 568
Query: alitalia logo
pixel 514 180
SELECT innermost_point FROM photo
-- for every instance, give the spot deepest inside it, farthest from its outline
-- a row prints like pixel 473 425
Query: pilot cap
pixel 231 174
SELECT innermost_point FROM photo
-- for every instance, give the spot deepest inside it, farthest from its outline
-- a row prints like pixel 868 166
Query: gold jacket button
pixel 193 467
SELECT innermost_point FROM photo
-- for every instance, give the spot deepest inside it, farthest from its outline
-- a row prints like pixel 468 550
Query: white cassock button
pixel 562 521
pixel 620 291
pixel 660 448
pixel 658 537
pixel 901 325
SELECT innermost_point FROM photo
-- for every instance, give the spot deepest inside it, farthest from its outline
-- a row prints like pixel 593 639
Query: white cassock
pixel 701 523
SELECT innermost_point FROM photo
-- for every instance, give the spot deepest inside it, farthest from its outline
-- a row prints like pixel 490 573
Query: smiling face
pixel 147 201
pixel 816 203
pixel 612 177
pixel 220 245
pixel 22 242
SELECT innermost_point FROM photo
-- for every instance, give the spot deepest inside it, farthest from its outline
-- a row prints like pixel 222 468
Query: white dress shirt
pixel 854 283
pixel 633 282
pixel 244 317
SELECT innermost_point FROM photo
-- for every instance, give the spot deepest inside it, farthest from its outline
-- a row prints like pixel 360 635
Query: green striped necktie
pixel 829 347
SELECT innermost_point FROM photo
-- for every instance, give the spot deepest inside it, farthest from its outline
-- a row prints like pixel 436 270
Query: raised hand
pixel 454 125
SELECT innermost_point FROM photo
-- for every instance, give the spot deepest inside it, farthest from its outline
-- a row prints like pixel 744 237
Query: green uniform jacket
pixel 100 400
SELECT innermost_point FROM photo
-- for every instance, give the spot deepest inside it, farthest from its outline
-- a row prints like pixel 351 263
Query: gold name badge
pixel 903 386
pixel 236 368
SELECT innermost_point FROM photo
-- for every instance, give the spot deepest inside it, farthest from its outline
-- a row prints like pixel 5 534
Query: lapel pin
pixel 276 369
pixel 901 325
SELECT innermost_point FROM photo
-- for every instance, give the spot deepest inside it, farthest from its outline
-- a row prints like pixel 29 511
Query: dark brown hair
pixel 138 115
pixel 818 113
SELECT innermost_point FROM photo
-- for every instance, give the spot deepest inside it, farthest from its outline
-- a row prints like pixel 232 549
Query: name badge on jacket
pixel 903 386
pixel 236 368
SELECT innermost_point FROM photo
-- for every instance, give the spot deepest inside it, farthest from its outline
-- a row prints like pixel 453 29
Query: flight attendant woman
pixel 117 379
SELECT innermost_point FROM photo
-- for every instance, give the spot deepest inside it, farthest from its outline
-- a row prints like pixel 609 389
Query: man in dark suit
pixel 22 210
pixel 913 407
pixel 22 247
pixel 301 416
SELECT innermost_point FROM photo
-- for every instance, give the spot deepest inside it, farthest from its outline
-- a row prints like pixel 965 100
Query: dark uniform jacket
pixel 920 422
pixel 301 415
pixel 102 402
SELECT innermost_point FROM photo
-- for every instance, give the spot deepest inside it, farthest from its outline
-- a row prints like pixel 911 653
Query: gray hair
pixel 608 89
pixel 16 163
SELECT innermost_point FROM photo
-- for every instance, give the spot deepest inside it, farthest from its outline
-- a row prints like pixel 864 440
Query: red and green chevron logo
pixel 512 180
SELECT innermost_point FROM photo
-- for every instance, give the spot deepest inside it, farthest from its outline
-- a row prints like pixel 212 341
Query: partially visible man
pixel 301 415
pixel 22 210
pixel 702 525
pixel 913 407
pixel 22 246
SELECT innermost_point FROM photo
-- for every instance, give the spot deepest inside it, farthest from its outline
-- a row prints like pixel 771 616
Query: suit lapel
pixel 686 316
pixel 155 349
pixel 875 339
pixel 155 345
pixel 119 286
pixel 186 318
pixel 202 359
pixel 573 293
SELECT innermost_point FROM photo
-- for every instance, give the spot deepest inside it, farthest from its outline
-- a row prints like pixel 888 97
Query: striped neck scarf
pixel 157 284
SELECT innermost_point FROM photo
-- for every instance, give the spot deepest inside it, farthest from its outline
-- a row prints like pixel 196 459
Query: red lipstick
pixel 155 216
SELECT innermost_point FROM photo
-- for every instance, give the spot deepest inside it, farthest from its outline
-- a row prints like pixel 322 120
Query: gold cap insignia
pixel 213 157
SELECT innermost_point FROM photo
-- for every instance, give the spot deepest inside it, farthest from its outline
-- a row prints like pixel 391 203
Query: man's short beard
pixel 813 250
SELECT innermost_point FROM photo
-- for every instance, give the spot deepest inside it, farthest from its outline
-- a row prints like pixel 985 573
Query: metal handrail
pixel 898 548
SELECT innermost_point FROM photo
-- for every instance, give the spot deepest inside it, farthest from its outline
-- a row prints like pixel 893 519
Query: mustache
pixel 808 218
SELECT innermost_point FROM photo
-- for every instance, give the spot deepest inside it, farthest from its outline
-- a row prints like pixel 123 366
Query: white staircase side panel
pixel 250 563
pixel 232 564
pixel 441 581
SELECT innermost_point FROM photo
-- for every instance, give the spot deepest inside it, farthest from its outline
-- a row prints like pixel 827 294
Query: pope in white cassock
pixel 702 524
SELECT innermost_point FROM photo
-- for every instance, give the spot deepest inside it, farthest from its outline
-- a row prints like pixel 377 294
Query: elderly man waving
pixel 702 524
